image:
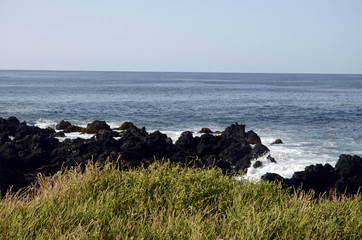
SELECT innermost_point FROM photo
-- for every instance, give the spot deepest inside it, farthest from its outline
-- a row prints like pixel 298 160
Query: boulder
pixel 73 128
pixel 257 164
pixel 252 137
pixel 98 125
pixel 125 126
pixel 272 177
pixel 277 141
pixel 62 125
pixel 205 130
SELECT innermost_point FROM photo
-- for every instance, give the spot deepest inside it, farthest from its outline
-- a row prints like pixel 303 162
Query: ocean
pixel 317 116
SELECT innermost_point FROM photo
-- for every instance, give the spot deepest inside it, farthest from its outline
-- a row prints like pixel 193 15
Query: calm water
pixel 318 117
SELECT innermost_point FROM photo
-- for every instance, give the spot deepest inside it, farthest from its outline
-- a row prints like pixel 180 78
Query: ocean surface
pixel 318 116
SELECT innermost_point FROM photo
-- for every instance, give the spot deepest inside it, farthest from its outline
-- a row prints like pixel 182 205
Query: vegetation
pixel 169 201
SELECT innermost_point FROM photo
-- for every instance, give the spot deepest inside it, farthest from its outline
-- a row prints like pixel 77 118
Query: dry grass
pixel 171 202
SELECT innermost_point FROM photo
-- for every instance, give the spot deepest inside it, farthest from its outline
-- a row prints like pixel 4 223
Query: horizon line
pixel 154 71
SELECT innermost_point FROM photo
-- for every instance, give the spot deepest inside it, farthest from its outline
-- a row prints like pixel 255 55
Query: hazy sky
pixel 305 36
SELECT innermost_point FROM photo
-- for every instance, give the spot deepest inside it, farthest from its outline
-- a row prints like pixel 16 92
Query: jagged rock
pixel 59 134
pixel 252 137
pixel 348 166
pixel 349 184
pixel 35 150
pixel 4 138
pixel 346 177
pixel 257 164
pixel 235 155
pixel 125 126
pixel 187 142
pixel 349 169
pixel 235 131
pixel 258 151
pixel 62 125
pixel 207 145
pixel 271 159
pixel 317 177
pixel 9 125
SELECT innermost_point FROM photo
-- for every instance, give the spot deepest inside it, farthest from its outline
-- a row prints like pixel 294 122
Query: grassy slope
pixel 166 202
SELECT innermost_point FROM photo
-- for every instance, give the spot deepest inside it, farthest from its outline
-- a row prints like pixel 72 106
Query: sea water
pixel 318 116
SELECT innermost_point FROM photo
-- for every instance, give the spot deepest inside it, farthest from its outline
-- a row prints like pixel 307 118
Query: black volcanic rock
pixel 272 177
pixel 34 150
pixel 235 131
pixel 187 142
pixel 208 145
pixel 9 126
pixel 346 177
pixel 257 164
pixel 252 137
pixel 348 166
pixel 62 125
pixel 317 177
pixel 98 125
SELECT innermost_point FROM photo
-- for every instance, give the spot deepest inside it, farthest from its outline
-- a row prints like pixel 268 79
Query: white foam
pixel 174 135
pixel 75 135
pixel 45 123
pixel 291 157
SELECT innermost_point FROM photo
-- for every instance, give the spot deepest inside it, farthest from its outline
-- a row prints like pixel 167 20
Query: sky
pixel 269 36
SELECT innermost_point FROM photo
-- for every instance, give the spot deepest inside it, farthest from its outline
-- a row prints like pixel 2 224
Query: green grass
pixel 171 202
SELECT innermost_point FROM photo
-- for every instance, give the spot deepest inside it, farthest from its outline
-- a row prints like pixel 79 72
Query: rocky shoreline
pixel 26 151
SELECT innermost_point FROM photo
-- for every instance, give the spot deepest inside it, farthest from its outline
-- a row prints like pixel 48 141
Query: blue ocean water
pixel 318 116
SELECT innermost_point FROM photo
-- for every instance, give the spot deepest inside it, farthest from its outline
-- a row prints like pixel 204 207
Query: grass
pixel 171 202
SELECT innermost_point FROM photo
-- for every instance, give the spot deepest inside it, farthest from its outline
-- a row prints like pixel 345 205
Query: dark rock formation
pixel 257 164
pixel 273 177
pixel 95 127
pixel 125 126
pixel 73 128
pixel 36 150
pixel 271 159
pixel 252 137
pixel 26 151
pixel 62 125
pixel 346 177
pixel 277 141
pixel 205 130
pixel 231 151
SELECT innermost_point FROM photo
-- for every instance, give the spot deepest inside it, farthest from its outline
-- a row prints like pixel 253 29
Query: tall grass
pixel 171 202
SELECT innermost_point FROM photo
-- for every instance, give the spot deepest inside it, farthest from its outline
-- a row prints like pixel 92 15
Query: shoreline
pixel 34 150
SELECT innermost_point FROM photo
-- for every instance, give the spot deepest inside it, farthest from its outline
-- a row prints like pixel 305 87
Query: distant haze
pixel 193 36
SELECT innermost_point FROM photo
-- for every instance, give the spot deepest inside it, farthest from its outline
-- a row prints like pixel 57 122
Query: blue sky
pixel 199 36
